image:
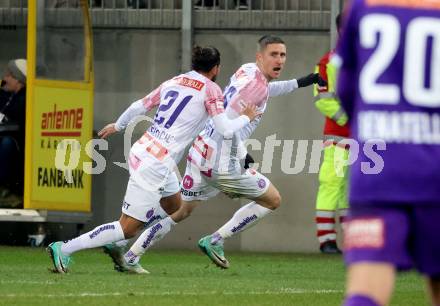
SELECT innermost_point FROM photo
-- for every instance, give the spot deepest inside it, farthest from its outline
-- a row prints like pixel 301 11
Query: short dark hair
pixel 267 40
pixel 205 58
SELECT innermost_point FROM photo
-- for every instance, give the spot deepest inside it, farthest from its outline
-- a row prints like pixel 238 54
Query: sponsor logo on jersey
pixel 190 193
pixel 243 223
pixel 364 233
pixel 101 229
pixel 187 182
pixel 195 84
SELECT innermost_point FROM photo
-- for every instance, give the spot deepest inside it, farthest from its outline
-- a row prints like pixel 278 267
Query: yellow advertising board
pixel 59 114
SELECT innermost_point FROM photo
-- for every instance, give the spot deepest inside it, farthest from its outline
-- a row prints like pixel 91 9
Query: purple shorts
pixel 405 236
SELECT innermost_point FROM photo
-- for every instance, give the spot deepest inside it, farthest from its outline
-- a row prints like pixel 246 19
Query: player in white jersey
pixel 214 162
pixel 184 104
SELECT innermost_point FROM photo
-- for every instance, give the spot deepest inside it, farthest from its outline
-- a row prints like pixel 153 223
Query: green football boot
pixel 214 252
pixel 59 260
pixel 116 253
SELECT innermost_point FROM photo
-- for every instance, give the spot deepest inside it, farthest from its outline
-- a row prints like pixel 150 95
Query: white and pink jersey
pixel 184 105
pixel 211 150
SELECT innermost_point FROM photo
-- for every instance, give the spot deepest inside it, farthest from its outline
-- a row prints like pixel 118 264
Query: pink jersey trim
pixel 252 92
pixel 214 99
pixel 152 99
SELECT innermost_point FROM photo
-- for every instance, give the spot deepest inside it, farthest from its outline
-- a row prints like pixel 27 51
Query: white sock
pixel 156 215
pixel 243 218
pixel 99 236
pixel 147 239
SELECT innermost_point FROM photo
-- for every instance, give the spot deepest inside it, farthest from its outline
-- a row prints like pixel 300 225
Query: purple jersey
pixel 389 84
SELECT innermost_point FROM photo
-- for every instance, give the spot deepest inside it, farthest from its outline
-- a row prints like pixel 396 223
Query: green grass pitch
pixel 184 278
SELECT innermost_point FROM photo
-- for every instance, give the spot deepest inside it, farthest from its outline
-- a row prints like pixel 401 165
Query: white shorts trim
pixel 203 186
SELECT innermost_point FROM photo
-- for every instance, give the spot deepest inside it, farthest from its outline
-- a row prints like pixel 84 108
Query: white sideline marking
pixel 131 294
pixel 26 282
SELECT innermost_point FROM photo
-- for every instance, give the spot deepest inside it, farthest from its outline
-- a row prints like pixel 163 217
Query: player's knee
pixel 129 231
pixel 130 227
pixel 276 200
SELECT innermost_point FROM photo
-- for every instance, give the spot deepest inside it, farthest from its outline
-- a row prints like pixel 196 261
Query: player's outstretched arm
pixel 107 130
pixel 280 88
pixel 137 108
pixel 310 79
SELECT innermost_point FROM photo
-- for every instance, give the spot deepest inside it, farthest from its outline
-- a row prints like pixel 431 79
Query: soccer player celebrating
pixel 214 162
pixel 185 103
pixel 389 84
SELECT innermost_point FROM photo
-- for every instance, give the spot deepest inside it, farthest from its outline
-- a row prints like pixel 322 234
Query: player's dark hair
pixel 205 58
pixel 267 40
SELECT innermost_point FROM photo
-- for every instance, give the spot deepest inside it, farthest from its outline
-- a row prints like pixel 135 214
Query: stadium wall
pixel 131 62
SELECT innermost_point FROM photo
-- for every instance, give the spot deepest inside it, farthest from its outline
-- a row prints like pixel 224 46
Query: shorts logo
pixel 261 183
pixel 150 213
pixel 125 205
pixel 187 182
pixel 364 233
pixel 188 193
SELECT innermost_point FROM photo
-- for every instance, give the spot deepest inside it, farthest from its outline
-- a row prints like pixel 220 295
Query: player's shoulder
pixel 212 87
pixel 245 74
pixel 246 70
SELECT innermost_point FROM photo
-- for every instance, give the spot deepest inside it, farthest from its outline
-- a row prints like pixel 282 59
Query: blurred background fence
pixel 167 14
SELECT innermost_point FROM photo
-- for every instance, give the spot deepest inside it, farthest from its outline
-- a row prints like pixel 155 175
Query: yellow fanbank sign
pixel 59 114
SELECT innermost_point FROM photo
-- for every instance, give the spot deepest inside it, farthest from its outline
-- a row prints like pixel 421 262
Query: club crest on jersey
pixel 261 183
pixel 187 182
